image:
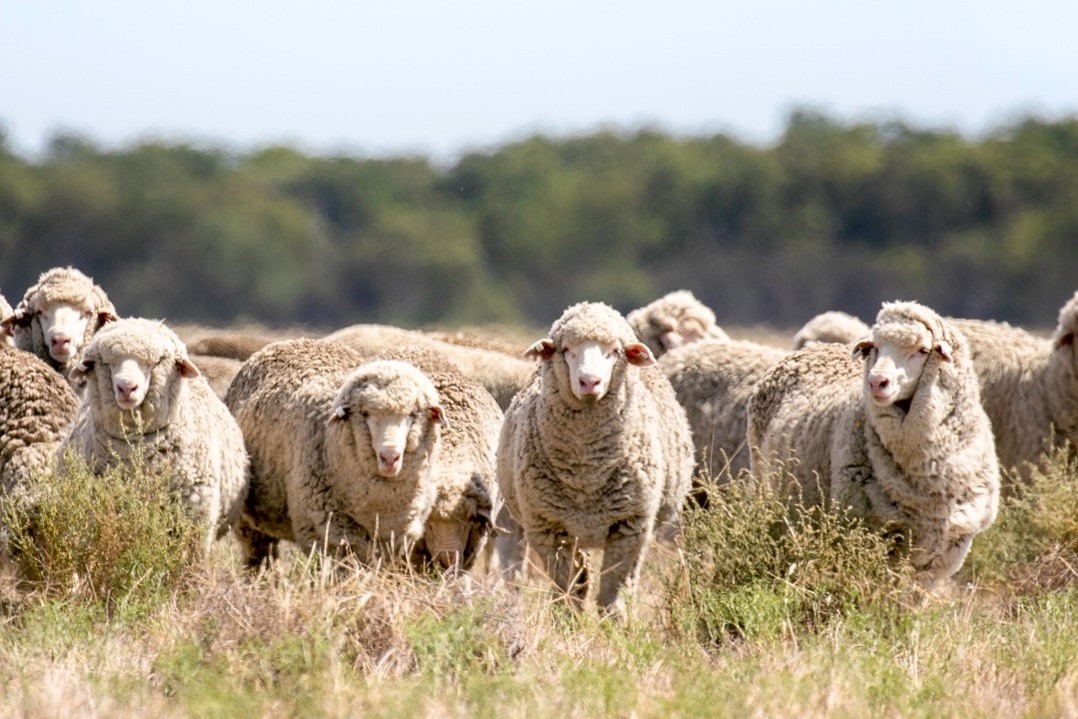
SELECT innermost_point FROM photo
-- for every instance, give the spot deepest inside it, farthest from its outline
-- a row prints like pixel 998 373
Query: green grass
pixel 759 611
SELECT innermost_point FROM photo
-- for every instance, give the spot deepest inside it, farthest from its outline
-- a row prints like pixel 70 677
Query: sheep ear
pixel 7 325
pixel 186 368
pixel 104 317
pixel 639 355
pixel 861 349
pixel 1063 339
pixel 543 349
pixel 340 413
pixel 437 414
pixel 945 350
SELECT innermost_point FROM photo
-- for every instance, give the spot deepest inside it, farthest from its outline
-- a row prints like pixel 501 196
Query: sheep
pixel 502 375
pixel 58 315
pixel 218 371
pixel 36 407
pixel 342 450
pixel 674 319
pixel 595 452
pixel 831 326
pixel 1029 387
pixel 713 381
pixel 908 448
pixel 6 311
pixel 461 519
pixel 145 404
pixel 229 345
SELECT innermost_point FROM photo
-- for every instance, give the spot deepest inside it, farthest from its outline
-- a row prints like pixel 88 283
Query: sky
pixel 444 78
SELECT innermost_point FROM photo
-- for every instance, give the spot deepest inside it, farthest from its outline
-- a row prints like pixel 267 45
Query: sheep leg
pixel 564 563
pixel 623 554
pixel 255 544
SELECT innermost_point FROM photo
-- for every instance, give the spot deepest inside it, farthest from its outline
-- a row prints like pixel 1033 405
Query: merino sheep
pixel 6 334
pixel 594 453
pixel 908 448
pixel 461 519
pixel 1029 387
pixel 674 319
pixel 713 381
pixel 502 375
pixel 36 407
pixel 342 450
pixel 146 404
pixel 58 315
pixel 831 326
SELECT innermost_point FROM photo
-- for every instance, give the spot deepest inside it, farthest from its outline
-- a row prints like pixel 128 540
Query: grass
pixel 759 611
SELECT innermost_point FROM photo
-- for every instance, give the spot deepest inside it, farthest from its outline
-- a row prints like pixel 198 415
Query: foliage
pixel 832 216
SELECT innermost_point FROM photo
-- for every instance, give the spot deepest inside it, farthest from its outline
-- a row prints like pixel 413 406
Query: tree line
pixel 832 215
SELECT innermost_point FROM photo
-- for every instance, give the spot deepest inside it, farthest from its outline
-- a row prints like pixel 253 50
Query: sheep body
pixel 36 408
pixel 229 345
pixel 58 315
pixel 315 479
pixel 217 370
pixel 713 381
pixel 922 465
pixel 674 319
pixel 1029 387
pixel 171 422
pixel 830 326
pixel 596 469
pixel 462 516
pixel 501 374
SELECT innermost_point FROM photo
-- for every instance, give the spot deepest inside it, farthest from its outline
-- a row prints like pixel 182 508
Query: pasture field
pixel 757 611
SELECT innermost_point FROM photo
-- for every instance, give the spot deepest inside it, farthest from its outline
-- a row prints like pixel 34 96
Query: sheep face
pixel 894 360
pixel 386 406
pixel 133 368
pixel 63 325
pixel 589 366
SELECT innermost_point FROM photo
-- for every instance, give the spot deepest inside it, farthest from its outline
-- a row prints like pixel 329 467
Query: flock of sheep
pixel 433 449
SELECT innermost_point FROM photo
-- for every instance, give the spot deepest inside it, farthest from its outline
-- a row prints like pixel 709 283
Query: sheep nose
pixel 388 459
pixel 60 343
pixel 126 388
pixel 589 384
pixel 877 384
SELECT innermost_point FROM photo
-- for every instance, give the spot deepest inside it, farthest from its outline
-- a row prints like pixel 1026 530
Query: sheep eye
pixel 923 351
pixel 364 414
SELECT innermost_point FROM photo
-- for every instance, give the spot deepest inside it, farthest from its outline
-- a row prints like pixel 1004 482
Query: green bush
pixel 114 538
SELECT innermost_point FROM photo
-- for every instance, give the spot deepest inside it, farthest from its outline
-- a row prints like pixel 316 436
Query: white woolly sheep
pixel 713 381
pixel 342 450
pixel 58 315
pixel 831 326
pixel 1029 387
pixel 908 447
pixel 146 404
pixel 462 517
pixel 502 375
pixel 674 319
pixel 594 453
pixel 36 408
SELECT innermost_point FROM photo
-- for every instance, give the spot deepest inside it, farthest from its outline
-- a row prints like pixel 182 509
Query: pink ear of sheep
pixel 638 354
pixel 945 350
pixel 437 414
pixel 544 349
pixel 861 349
pixel 186 368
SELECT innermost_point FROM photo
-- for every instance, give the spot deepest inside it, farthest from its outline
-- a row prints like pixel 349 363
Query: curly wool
pixel 929 472
pixel 461 518
pixel 60 285
pixel 36 408
pixel 1029 387
pixel 713 381
pixel 831 327
pixel 181 429
pixel 667 315
pixel 590 474
pixel 315 480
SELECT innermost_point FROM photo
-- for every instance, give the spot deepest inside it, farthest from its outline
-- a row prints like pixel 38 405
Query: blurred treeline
pixel 832 215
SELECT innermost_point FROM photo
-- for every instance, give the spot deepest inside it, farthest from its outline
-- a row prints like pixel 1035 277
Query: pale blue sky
pixel 439 78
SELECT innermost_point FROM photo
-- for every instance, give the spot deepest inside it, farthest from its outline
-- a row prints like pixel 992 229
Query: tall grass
pixel 757 611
